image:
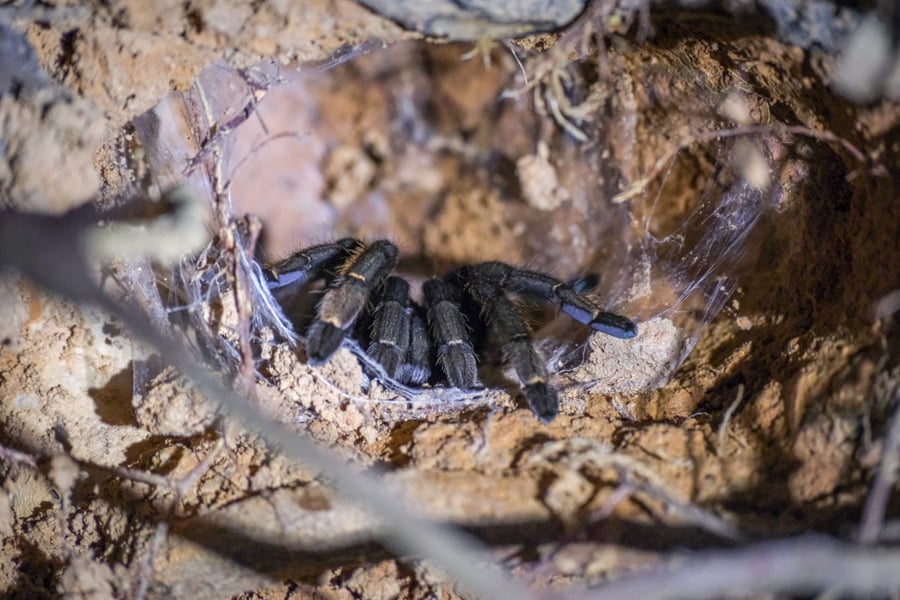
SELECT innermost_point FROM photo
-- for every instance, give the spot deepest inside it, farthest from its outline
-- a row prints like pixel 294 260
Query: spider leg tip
pixel 458 362
pixel 628 332
pixel 542 400
pixel 413 374
pixel 387 356
pixel 323 339
pixel 615 325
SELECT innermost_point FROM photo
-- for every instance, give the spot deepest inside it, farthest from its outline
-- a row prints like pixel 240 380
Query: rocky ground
pixel 709 167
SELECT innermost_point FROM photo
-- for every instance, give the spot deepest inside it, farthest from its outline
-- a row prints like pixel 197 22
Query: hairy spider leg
pixel 514 337
pixel 416 369
pixel 310 263
pixel 448 327
pixel 564 295
pixel 390 329
pixel 398 336
pixel 338 309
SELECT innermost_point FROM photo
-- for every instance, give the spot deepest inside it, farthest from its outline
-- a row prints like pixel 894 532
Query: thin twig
pixel 153 479
pixel 689 513
pixel 794 566
pixel 726 418
pixel 243 294
pixel 188 481
pixel 180 487
pixel 824 136
pixel 145 574
pixel 515 56
pixel 252 152
pixel 638 185
pixel 636 477
pixel 622 492
pixel 17 457
pixel 561 119
pixel 885 477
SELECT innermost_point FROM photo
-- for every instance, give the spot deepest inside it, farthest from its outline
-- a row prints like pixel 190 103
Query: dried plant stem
pixel 687 511
pixel 885 477
pixel 799 565
pixel 638 186
pixel 145 573
pixel 818 134
pixel 13 456
pixel 243 295
pixel 180 487
pixel 726 418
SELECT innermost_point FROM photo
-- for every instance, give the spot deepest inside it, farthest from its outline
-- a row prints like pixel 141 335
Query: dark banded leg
pixel 398 336
pixel 338 309
pixel 390 331
pixel 310 263
pixel 450 334
pixel 416 369
pixel 514 338
pixel 545 287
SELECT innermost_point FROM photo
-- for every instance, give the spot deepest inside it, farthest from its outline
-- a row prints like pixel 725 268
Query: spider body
pixel 463 311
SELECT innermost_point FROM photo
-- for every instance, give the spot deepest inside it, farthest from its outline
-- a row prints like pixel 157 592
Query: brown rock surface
pixel 117 484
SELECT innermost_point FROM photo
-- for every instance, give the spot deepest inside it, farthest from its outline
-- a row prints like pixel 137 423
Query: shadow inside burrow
pixel 822 260
pixel 39 574
pixel 828 250
pixel 672 25
pixel 823 264
pixel 112 400
pixel 279 559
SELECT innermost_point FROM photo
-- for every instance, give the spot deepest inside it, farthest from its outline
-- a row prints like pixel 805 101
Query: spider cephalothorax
pixel 364 299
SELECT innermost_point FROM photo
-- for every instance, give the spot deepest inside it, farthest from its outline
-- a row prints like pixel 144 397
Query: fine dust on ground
pixel 118 475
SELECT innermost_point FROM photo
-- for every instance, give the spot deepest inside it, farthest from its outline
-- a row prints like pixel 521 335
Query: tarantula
pixel 362 298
